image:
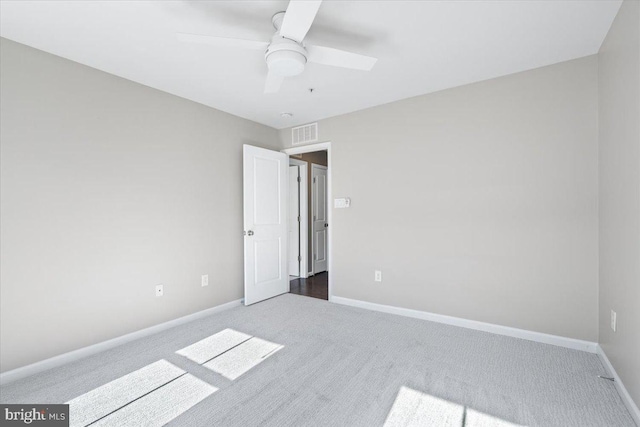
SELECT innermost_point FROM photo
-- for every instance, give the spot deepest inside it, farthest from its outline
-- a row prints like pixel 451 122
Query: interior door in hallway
pixel 319 209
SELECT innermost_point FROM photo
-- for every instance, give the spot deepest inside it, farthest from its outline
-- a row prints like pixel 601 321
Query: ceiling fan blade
pixel 222 41
pixel 298 18
pixel 340 58
pixel 272 85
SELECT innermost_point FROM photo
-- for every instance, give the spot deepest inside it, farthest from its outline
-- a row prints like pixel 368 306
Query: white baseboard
pixel 572 343
pixel 63 359
pixel 622 391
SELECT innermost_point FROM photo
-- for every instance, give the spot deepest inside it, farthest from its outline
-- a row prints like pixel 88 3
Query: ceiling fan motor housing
pixel 285 57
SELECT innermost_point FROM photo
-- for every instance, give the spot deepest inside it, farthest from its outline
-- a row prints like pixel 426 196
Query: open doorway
pixel 308 224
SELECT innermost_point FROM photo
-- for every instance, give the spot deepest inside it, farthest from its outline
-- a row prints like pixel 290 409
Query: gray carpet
pixel 310 362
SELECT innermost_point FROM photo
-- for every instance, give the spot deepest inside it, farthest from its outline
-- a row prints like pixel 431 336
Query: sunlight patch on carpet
pixel 213 345
pixel 162 405
pixel 105 399
pixel 242 358
pixel 161 391
pixel 414 408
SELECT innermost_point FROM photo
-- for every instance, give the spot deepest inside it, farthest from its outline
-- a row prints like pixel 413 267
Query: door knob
pixel 250 233
pixel 326 225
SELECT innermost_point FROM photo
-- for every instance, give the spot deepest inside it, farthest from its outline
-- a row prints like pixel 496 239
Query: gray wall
pixel 478 202
pixel 619 81
pixel 109 188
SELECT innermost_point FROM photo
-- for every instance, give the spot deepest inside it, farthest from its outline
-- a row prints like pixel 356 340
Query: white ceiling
pixel 422 47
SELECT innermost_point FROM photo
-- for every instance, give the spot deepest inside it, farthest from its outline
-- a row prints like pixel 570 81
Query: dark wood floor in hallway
pixel 316 286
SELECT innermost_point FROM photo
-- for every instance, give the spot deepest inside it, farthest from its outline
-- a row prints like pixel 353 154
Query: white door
pixel 294 221
pixel 265 223
pixel 319 209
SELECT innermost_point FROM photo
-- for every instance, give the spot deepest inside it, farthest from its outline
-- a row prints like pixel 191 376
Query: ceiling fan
pixel 286 55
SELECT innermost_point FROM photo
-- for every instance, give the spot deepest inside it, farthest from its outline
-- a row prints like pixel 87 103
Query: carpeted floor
pixel 299 361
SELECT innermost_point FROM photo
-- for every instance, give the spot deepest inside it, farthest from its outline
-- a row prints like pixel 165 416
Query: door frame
pixel 309 149
pixel 303 211
pixel 313 209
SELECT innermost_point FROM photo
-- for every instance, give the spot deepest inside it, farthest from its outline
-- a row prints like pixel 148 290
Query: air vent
pixel 304 134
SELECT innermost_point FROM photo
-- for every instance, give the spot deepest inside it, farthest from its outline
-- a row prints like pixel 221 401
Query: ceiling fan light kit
pixel 285 57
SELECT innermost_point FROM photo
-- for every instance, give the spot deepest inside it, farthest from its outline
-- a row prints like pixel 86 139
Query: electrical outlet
pixel 205 280
pixel 159 290
pixel 378 276
pixel 614 320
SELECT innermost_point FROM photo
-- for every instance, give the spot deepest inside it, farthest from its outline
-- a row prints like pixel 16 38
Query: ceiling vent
pixel 304 134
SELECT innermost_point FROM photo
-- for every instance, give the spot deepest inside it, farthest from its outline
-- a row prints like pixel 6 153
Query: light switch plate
pixel 342 203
